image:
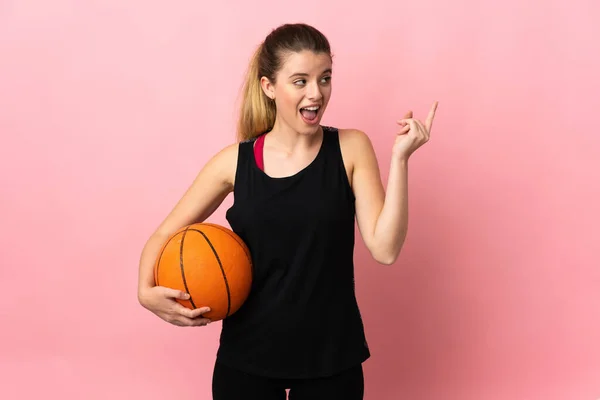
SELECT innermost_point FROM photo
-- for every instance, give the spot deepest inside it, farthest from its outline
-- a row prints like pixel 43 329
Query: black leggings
pixel 231 384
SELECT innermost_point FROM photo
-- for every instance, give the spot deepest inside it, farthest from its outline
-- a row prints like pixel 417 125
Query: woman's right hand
pixel 162 301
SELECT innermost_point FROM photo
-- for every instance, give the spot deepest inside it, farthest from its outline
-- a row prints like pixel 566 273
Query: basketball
pixel 211 263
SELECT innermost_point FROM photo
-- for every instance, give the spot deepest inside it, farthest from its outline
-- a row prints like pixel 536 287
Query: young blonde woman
pixel 298 187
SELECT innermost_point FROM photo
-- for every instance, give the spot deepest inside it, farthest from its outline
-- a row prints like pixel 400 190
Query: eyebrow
pixel 327 71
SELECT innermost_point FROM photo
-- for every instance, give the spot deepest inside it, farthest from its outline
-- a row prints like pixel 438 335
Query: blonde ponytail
pixel 257 111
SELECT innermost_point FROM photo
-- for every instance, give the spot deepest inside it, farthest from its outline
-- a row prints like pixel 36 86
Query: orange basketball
pixel 211 263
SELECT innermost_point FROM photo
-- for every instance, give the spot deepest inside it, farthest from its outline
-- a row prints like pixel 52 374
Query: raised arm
pixel 382 215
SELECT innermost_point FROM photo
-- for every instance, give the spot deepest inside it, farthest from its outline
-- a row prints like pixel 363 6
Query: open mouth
pixel 310 113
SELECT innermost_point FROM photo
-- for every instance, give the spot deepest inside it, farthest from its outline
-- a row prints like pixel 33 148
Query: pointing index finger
pixel 429 120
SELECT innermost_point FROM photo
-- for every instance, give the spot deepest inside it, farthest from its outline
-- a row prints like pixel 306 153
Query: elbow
pixel 386 257
pixel 385 253
pixel 388 254
pixel 389 260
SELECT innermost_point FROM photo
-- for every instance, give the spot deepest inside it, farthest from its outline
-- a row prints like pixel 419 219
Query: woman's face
pixel 302 90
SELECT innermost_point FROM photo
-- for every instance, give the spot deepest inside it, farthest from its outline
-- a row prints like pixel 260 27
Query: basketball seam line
pixel 183 268
pixel 162 252
pixel 237 239
pixel 220 266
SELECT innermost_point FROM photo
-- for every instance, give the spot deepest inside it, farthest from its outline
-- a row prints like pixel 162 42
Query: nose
pixel 314 92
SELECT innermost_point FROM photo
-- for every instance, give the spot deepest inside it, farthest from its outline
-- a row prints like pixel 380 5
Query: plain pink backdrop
pixel 108 109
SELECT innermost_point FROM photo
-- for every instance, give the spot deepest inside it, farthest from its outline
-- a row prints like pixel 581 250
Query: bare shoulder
pixel 353 139
pixel 212 184
pixel 357 149
pixel 224 163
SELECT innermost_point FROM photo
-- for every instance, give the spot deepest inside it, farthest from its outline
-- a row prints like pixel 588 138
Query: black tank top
pixel 301 319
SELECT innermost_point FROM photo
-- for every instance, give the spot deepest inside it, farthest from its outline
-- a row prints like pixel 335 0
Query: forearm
pixel 147 261
pixel 392 223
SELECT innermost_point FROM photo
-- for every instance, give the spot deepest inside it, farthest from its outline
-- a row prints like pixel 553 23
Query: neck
pixel 287 138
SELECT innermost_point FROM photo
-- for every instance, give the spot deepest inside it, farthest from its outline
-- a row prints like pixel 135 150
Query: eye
pixel 326 79
pixel 300 82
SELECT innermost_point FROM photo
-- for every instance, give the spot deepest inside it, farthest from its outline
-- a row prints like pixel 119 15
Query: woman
pixel 297 187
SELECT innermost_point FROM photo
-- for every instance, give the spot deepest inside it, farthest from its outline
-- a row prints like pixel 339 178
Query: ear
pixel 267 87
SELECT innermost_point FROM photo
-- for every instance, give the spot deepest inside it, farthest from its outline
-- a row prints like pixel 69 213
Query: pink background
pixel 108 109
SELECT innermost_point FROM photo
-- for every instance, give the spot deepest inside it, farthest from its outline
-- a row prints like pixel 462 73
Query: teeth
pixel 311 108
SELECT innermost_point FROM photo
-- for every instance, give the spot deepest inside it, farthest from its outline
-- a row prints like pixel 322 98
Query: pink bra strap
pixel 258 152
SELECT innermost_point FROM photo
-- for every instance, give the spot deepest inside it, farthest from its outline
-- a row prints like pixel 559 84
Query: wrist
pixel 143 293
pixel 400 160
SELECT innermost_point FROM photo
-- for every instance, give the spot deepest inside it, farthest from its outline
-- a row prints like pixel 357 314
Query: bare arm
pixel 208 190
pixel 382 217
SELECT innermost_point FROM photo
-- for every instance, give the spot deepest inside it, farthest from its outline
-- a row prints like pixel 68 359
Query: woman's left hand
pixel 413 134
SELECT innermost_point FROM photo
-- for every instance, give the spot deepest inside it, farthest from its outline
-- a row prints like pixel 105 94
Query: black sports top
pixel 301 319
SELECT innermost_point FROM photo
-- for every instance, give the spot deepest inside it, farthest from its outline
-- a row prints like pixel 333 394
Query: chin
pixel 309 128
